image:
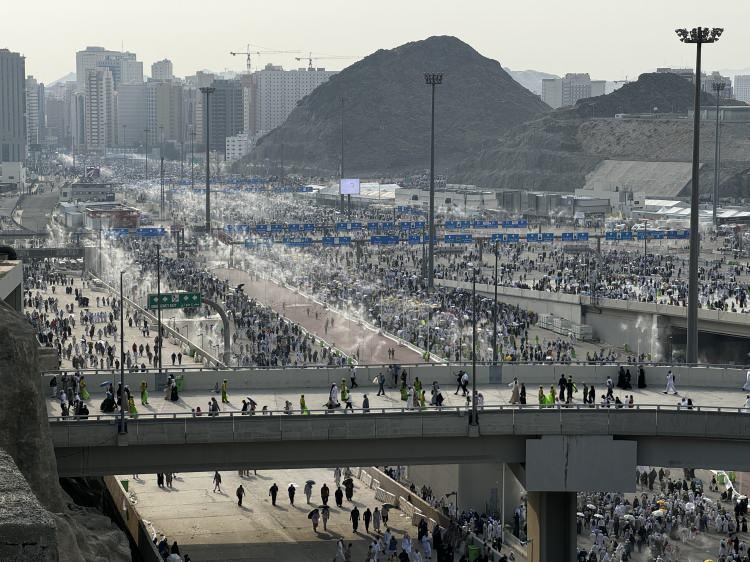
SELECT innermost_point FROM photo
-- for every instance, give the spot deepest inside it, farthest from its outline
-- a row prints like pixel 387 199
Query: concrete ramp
pixel 666 179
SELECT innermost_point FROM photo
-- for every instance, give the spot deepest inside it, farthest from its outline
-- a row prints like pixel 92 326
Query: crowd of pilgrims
pixel 669 514
pixel 618 274
pixel 261 336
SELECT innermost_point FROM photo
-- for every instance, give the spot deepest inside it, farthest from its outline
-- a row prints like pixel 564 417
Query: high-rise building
pixel 131 114
pixel 227 117
pixel 164 111
pixel 566 91
pixel 122 65
pixel 100 110
pixel 12 107
pixel 237 146
pixel 58 120
pixel 274 92
pixel 707 80
pixel 200 79
pixel 131 72
pixel 77 120
pixel 742 87
pixel 35 114
pixel 162 70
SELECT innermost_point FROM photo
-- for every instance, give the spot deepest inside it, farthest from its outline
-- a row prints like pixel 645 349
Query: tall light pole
pixel 474 420
pixel 122 359
pixel 432 80
pixel 208 90
pixel 698 36
pixel 341 164
pixel 494 311
pixel 717 87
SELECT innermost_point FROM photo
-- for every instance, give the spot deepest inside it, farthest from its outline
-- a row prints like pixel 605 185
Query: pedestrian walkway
pixel 211 526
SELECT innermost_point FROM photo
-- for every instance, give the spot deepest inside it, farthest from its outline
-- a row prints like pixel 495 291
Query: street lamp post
pixel 473 420
pixel 433 80
pixel 208 90
pixel 341 167
pixel 717 87
pixel 122 360
pixel 494 312
pixel 698 36
pixel 158 300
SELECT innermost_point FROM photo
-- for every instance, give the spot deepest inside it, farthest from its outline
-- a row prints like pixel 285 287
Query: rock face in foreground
pixel 66 532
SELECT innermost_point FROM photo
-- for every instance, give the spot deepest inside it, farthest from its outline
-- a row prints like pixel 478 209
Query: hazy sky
pixel 608 38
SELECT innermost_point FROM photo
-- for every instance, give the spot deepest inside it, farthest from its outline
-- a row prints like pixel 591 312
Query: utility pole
pixel 158 304
pixel 717 87
pixel 122 360
pixel 698 36
pixel 341 168
pixel 433 80
pixel 494 311
pixel 192 156
pixel 208 90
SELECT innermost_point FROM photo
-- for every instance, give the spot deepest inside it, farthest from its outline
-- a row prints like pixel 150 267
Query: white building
pixel 162 70
pixel 35 120
pixel 100 112
pixel 566 91
pixel 122 65
pixel 742 88
pixel 237 146
pixel 275 92
pixel 13 172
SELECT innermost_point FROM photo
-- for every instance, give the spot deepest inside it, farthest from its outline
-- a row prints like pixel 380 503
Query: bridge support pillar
pixel 551 526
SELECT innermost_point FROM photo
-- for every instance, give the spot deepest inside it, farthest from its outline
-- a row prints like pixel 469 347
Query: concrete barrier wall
pixel 132 520
pixel 248 380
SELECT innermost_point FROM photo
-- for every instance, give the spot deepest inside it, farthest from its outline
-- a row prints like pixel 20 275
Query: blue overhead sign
pixel 458 238
pixel 506 238
pixel 384 240
pixel 336 240
pixel 150 231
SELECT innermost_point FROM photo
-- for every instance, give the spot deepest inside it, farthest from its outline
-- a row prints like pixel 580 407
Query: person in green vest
pixel 144 392
pixel 303 405
pixel 550 401
pixel 344 391
pixel 224 394
pixel 404 391
pixel 417 385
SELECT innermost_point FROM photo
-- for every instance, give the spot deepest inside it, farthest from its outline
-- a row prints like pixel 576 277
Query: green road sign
pixel 173 300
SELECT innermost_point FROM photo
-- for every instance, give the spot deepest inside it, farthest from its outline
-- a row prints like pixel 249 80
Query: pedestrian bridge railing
pixel 390 423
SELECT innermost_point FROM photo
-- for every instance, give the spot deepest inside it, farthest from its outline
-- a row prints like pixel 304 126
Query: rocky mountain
pixel 387 112
pixel 530 79
pixel 557 150
pixel 652 92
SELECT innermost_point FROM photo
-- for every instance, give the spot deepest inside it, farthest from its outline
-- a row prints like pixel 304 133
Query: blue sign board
pixel 261 228
pixel 459 238
pixel 506 238
pixel 417 239
pixel 150 231
pixel 297 241
pixel 336 240
pixel 384 240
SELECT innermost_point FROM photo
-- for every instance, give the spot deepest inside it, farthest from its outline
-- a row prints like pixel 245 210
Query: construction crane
pixel 248 53
pixel 309 58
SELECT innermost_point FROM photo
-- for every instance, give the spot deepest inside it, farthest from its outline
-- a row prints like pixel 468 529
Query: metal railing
pixel 563 409
pixel 454 364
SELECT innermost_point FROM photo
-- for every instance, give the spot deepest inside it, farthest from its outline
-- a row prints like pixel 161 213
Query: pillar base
pixel 551 526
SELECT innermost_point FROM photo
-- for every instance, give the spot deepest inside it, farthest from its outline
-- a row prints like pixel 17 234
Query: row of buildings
pixel 566 91
pixel 110 105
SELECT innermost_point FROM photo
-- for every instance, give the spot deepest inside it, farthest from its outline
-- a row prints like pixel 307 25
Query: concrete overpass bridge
pixel 639 324
pixel 553 452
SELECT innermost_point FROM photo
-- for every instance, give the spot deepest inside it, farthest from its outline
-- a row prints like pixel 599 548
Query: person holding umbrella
pixel 308 490
pixel 291 490
pixel 314 516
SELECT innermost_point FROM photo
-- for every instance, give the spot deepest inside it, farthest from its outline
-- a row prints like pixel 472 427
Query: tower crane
pixel 248 53
pixel 309 58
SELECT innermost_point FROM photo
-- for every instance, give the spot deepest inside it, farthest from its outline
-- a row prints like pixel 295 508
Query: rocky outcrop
pixel 71 532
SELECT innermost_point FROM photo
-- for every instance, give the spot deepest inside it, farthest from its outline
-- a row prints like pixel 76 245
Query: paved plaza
pixel 211 526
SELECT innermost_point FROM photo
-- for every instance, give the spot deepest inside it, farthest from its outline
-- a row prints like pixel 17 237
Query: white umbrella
pixel 598 515
pixel 690 506
pixel 591 506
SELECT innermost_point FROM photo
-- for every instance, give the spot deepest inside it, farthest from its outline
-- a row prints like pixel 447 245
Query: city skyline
pixel 203 40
